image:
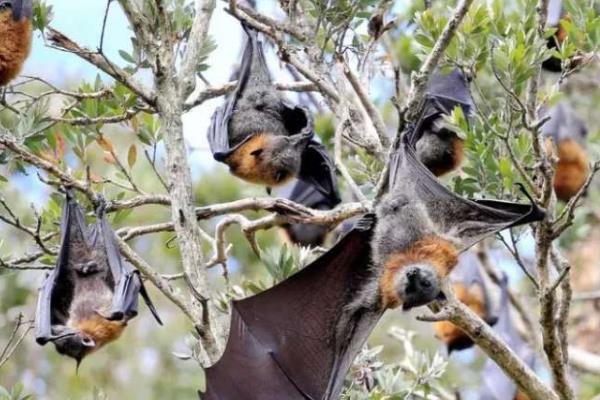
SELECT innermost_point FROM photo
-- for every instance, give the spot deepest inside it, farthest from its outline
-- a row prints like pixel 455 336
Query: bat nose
pixel 418 280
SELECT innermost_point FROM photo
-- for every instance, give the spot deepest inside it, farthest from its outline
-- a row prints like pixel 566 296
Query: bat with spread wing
pixel 87 300
pixel 568 132
pixel 440 148
pixel 470 288
pixel 262 137
pixel 15 37
pixel 495 384
pixel 298 339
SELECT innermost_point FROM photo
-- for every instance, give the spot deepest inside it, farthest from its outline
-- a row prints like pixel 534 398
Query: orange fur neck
pixel 15 45
pixel 440 253
pixel 572 168
pixel 254 169
pixel 457 158
pixel 101 330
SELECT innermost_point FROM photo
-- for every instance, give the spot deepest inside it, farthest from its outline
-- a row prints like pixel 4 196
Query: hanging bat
pixel 261 136
pixel 309 234
pixel 556 13
pixel 15 37
pixel 470 288
pixel 495 384
pixel 439 148
pixel 88 299
pixel 423 226
pixel 298 339
pixel 568 133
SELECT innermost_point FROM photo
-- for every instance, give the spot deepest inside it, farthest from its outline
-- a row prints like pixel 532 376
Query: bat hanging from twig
pixel 90 296
pixel 439 147
pixel 262 137
pixel 568 132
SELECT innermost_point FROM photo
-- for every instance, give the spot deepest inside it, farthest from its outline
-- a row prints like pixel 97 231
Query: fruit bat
pixel 568 133
pixel 495 384
pixel 15 37
pixel 308 195
pixel 298 339
pixel 88 299
pixel 439 148
pixel 555 14
pixel 470 288
pixel 261 136
pixel 423 226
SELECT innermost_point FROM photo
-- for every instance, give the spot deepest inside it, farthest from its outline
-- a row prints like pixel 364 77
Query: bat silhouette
pixel 88 299
pixel 298 339
pixel 568 132
pixel 440 148
pixel 262 137
pixel 495 384
pixel 309 234
pixel 15 37
pixel 470 288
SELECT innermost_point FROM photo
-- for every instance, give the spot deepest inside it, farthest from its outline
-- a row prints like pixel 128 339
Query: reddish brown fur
pixel 15 45
pixel 458 155
pixel 246 166
pixel 521 396
pixel 101 330
pixel 474 298
pixel 572 169
pixel 440 253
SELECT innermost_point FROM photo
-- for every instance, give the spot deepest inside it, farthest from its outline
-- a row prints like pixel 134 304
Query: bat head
pixel 284 155
pixel 76 345
pixel 19 8
pixel 439 149
pixel 417 284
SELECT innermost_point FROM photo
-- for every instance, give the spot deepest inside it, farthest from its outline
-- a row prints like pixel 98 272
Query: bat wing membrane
pixel 292 339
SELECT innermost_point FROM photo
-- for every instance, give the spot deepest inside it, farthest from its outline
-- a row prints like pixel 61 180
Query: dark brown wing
pixel 446 91
pixel 297 339
pixel 468 221
pixel 125 280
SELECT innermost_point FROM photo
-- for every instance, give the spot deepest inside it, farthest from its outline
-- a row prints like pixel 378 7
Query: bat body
pixel 90 296
pixel 297 340
pixel 567 132
pixel 439 148
pixel 556 13
pixel 308 195
pixel 262 137
pixel 470 288
pixel 15 37
pixel 495 384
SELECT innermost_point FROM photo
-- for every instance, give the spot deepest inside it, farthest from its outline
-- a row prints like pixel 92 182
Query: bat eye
pixel 256 153
pixel 86 341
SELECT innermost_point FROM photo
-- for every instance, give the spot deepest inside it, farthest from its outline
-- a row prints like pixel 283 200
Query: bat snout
pixel 418 285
